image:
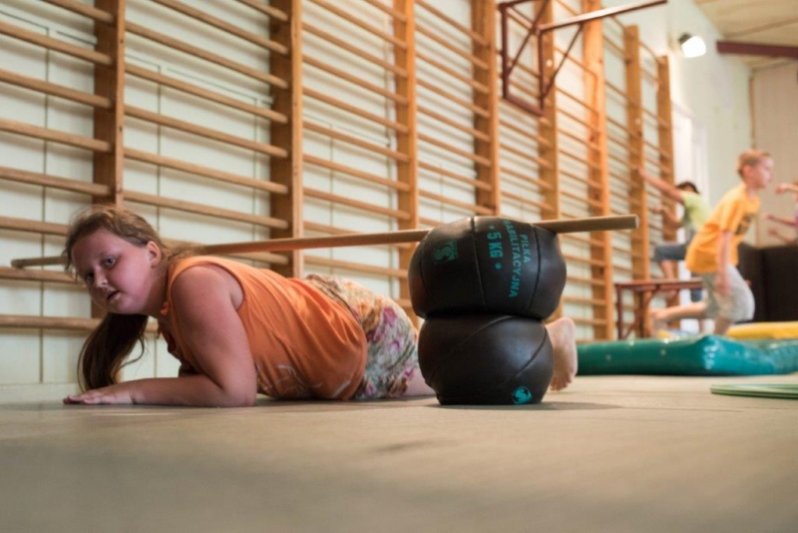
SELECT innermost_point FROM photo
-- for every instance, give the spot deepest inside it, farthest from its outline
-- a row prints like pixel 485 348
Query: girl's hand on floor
pixel 105 395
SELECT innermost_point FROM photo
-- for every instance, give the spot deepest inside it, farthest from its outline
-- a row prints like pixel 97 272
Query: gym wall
pixel 228 121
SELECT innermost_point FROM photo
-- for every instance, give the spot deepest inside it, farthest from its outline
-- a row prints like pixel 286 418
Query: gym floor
pixel 609 454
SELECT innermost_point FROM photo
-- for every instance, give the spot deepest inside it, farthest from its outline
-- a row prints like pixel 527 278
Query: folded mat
pixel 705 355
pixel 764 330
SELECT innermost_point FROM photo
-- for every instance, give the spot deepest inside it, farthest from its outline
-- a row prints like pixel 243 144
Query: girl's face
pixel 118 274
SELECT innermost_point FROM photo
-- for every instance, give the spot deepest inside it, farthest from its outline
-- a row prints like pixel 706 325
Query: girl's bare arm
pixel 210 326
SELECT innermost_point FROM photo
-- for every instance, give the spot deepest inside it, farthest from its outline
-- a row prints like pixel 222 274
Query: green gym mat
pixel 787 391
pixel 705 355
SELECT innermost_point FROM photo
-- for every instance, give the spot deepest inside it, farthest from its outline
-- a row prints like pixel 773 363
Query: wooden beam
pixel 634 124
pixel 109 82
pixel 288 136
pixel 404 29
pixel 601 266
pixel 483 23
pixel 756 49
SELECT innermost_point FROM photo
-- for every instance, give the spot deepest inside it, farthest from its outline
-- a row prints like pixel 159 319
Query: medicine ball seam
pixel 534 292
pixel 480 283
pixel 522 369
pixel 434 372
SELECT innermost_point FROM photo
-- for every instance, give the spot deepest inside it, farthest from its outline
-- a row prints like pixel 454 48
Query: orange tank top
pixel 304 344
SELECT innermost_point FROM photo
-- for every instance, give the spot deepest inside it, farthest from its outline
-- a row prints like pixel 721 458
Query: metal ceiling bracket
pixel 539 30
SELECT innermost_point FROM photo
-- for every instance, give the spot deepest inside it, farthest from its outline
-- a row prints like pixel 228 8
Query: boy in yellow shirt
pixel 712 254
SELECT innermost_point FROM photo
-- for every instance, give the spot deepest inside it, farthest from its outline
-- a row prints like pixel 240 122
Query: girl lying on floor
pixel 239 330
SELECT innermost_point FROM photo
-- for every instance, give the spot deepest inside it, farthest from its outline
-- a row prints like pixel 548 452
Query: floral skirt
pixel 392 338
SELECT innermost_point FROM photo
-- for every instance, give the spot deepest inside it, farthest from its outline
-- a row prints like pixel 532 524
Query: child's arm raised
pixel 781 220
pixel 786 187
pixel 664 187
pixel 210 325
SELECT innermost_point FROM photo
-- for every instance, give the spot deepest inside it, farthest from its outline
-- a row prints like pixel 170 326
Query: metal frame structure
pixel 539 31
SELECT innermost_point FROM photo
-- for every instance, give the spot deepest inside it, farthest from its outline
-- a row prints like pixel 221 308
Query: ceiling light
pixel 692 45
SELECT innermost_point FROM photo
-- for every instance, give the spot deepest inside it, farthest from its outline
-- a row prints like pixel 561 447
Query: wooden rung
pixel 46 322
pixel 371 58
pixel 56 45
pixel 47 134
pixel 341 105
pixel 54 89
pixel 397 15
pixel 202 209
pixel 37 275
pixel 581 140
pixel 354 267
pixel 450 97
pixel 355 20
pixel 82 9
pixel 577 100
pixel 46 180
pixel 176 164
pixel 524 130
pixel 479 87
pixel 581 121
pixel 201 131
pixel 266 9
pixel 570 58
pixel 453 175
pixel 356 141
pixel 581 198
pixel 584 281
pixel 350 171
pixel 220 24
pixel 613 46
pixel 446 200
pixel 578 158
pixel 176 44
pixel 32 226
pixel 526 178
pixel 474 60
pixel 483 161
pixel 423 110
pixel 526 200
pixel 213 96
pixel 582 301
pixel 357 204
pixel 525 154
pixel 354 80
pixel 590 321
pixel 479 39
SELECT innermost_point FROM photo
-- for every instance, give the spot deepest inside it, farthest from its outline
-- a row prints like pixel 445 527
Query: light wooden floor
pixel 610 454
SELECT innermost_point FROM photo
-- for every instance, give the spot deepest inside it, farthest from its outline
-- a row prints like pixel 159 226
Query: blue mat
pixel 706 355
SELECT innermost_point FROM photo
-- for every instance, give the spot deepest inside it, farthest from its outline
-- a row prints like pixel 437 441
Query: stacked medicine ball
pixel 483 286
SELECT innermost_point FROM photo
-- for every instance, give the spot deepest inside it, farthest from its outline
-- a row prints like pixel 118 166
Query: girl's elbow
pixel 240 398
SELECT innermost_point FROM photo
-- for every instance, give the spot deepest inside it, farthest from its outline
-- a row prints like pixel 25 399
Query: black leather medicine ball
pixel 485 359
pixel 487 265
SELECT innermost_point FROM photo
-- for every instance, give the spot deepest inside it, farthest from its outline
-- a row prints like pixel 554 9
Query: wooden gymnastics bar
pixel 593 224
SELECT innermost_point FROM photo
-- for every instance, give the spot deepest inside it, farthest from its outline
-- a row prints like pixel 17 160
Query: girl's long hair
pixel 105 350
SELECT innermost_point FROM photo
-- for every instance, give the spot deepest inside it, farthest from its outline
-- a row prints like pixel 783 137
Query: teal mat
pixel 706 355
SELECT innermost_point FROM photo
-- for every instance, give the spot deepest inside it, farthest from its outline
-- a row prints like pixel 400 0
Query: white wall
pixel 775 101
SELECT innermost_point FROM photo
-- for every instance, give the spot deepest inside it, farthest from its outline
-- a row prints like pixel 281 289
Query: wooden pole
pixel 394 237
pixel 607 223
